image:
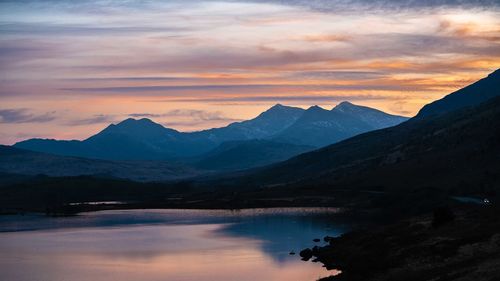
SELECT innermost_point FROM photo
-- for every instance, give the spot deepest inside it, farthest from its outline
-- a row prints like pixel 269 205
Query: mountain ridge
pixel 320 127
pixel 143 139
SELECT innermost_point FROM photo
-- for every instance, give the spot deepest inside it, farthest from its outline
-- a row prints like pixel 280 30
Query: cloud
pixel 337 6
pixel 232 59
pixel 18 51
pixel 340 74
pixel 467 31
pixel 391 45
pixel 173 88
pixel 305 98
pixel 192 114
pixel 242 88
pixel 49 29
pixel 145 115
pixel 8 49
pixel 109 7
pixel 96 119
pixel 22 115
pixel 134 79
pixel 210 57
pixel 195 124
pixel 326 38
pixel 200 115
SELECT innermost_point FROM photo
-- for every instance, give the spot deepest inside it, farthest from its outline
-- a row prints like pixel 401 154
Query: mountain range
pixel 319 127
pixel 143 139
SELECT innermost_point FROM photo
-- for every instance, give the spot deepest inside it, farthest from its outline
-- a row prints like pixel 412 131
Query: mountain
pixel 130 139
pixel 134 139
pixel 23 162
pixel 453 150
pixel 143 139
pixel 238 155
pixel 268 123
pixel 319 127
pixel 471 95
pixel 375 118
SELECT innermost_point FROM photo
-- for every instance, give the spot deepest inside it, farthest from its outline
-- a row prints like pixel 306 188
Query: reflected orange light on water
pixel 178 252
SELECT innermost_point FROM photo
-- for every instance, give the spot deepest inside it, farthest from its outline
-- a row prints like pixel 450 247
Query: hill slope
pixel 471 95
pixel 24 162
pixel 237 155
pixel 268 123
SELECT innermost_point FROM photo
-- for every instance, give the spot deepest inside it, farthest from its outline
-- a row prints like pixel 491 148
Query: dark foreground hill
pixel 471 95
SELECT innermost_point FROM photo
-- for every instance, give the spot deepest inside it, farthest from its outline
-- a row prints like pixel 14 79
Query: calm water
pixel 171 245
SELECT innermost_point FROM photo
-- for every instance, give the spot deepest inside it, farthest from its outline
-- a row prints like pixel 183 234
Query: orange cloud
pixel 468 31
pixel 322 38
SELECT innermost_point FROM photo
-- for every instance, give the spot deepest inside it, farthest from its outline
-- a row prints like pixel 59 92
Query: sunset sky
pixel 69 68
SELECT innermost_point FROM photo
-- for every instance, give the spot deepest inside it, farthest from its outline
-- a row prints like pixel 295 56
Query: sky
pixel 70 68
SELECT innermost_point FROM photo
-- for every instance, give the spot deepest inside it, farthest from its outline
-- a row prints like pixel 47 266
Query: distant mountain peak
pixel 345 105
pixel 279 107
pixel 137 128
pixel 280 110
pixel 319 126
pixel 268 123
pixel 315 108
pixel 132 124
pixel 142 121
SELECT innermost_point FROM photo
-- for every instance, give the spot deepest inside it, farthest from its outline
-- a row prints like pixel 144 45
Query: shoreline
pixel 464 246
pixel 99 208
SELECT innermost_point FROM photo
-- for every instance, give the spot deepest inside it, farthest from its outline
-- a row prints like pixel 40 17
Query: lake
pixel 174 245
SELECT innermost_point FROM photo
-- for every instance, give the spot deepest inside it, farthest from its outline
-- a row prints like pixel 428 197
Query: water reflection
pixel 280 234
pixel 163 245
